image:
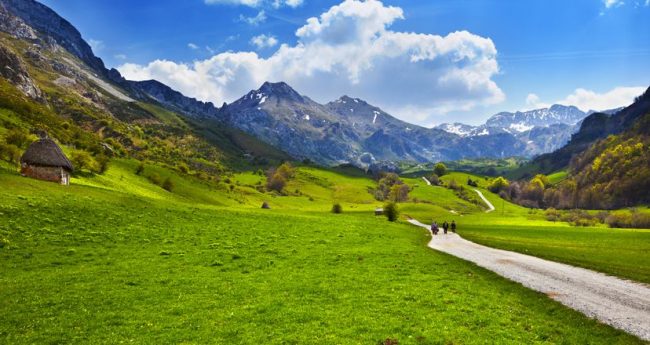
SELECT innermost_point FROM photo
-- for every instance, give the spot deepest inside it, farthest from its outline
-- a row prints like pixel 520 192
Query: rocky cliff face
pixel 14 70
pixel 30 20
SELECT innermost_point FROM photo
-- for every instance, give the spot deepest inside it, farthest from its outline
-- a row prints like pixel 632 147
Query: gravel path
pixel 619 303
pixel 486 201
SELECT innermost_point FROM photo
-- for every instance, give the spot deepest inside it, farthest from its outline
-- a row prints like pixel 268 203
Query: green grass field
pixel 117 259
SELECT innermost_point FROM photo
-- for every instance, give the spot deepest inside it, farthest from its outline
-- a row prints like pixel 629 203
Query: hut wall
pixel 54 174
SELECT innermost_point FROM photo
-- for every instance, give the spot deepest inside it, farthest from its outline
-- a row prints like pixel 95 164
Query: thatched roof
pixel 45 152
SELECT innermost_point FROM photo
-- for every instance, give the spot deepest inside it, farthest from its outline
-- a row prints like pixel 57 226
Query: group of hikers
pixel 445 227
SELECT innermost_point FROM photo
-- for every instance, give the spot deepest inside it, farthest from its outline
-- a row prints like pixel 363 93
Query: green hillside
pixel 117 258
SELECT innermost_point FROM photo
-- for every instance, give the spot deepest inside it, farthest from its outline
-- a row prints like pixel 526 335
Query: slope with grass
pixel 117 258
pixel 620 252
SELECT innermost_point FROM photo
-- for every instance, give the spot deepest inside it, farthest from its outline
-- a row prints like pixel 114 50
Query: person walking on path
pixel 453 226
pixel 445 226
pixel 434 228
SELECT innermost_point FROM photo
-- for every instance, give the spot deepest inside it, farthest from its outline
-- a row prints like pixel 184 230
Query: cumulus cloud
pixel 350 49
pixel 590 100
pixel 258 19
pixel 257 3
pixel 192 46
pixel 264 41
pixel 534 102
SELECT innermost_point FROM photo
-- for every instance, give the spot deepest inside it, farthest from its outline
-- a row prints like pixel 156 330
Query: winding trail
pixel 486 201
pixel 619 303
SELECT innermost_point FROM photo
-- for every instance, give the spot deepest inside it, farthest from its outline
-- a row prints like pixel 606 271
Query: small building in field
pixel 44 160
pixel 379 211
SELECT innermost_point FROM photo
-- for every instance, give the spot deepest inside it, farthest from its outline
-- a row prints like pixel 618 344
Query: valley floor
pixel 115 258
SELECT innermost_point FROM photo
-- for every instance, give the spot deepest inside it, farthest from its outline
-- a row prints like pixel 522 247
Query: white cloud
pixel 534 102
pixel 257 3
pixel 350 49
pixel 590 100
pixel 96 45
pixel 258 19
pixel 264 41
pixel 120 56
pixel 613 3
pixel 192 46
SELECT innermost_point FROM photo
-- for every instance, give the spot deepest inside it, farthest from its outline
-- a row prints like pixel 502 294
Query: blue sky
pixel 507 55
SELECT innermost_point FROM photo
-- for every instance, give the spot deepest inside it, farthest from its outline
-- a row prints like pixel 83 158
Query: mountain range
pixel 347 130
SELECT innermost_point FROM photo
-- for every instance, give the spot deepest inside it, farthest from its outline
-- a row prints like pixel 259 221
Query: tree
pixel 385 187
pixel 498 184
pixel 391 211
pixel 440 169
pixel 336 208
pixel 399 193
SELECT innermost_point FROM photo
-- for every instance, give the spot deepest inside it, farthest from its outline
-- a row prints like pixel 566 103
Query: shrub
pixel 4 242
pixel 183 168
pixel 498 184
pixel 102 163
pixel 552 215
pixel 140 169
pixel 82 160
pixel 337 208
pixel 168 184
pixel 18 138
pixel 472 183
pixel 452 184
pixel 434 179
pixel 391 211
pixel 155 179
pixel 10 153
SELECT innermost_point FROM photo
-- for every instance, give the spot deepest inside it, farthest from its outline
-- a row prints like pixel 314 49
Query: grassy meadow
pixel 114 258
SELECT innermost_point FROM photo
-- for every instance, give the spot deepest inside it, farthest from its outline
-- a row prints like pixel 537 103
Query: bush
pixel 168 184
pixel 140 169
pixel 82 160
pixel 391 211
pixel 552 215
pixel 434 179
pixel 498 184
pixel 633 219
pixel 336 208
pixel 472 183
pixel 155 179
pixel 102 163
pixel 452 184
pixel 183 168
pixel 10 153
pixel 18 138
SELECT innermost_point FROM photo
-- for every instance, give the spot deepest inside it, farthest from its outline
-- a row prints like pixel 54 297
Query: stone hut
pixel 44 160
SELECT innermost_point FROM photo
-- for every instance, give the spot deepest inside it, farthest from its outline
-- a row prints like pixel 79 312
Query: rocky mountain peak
pixel 18 17
pixel 279 90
